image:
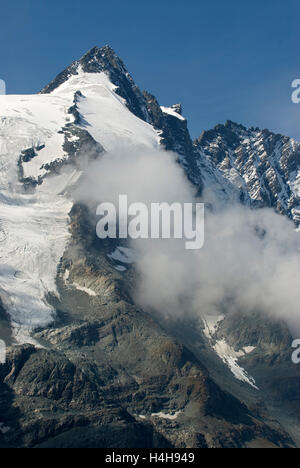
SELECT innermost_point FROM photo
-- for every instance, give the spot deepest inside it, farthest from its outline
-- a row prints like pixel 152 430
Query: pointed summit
pixel 105 60
pixel 102 59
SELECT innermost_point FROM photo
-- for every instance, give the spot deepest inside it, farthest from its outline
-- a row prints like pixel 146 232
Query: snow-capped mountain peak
pixel 105 60
pixel 80 113
pixel 53 267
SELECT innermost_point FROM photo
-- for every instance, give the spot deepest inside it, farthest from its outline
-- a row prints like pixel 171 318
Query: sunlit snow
pixel 34 226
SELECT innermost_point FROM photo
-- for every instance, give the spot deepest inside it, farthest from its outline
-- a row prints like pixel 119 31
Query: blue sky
pixel 222 60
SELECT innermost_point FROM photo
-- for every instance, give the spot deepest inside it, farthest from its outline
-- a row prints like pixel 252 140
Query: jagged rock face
pixel 105 60
pixel 175 136
pixel 256 166
pixel 110 376
pixel 173 130
pixel 104 373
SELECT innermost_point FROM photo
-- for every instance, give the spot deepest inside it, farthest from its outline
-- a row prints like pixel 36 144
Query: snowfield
pixel 109 120
pixel 34 225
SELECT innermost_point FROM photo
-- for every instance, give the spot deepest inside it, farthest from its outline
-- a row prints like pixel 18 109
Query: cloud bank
pixel 250 259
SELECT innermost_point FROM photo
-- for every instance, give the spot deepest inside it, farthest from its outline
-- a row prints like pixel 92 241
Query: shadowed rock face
pixel 175 134
pixel 5 330
pixel 107 374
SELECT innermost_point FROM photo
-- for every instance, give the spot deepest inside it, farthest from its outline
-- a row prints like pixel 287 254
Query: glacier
pixel 34 224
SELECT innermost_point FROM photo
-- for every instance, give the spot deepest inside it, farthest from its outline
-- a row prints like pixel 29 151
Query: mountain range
pixel 87 366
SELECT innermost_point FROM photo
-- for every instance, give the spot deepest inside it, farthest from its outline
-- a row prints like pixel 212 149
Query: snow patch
pixel 66 275
pixel 88 291
pixel 230 357
pixel 211 323
pixel 249 349
pixel 162 415
pixel 171 111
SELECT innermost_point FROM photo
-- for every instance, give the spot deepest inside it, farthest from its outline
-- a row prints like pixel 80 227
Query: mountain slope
pixel 88 367
pixel 39 135
pixel 256 166
pixel 110 376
